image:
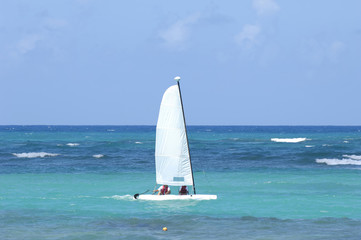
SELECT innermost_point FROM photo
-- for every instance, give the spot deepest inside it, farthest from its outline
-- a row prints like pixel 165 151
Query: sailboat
pixel 172 156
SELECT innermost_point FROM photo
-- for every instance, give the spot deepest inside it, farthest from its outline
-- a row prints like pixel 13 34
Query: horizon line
pixel 189 125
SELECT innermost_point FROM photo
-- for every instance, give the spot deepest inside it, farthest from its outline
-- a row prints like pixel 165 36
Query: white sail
pixel 171 149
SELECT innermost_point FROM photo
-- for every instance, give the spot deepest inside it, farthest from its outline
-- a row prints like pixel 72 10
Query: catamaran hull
pixel 177 197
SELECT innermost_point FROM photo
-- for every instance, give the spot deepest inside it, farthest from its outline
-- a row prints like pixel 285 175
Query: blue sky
pixel 256 62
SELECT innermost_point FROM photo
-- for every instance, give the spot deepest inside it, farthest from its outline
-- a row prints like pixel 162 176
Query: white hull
pixel 177 197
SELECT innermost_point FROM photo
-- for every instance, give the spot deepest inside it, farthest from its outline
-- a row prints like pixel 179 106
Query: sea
pixel 272 182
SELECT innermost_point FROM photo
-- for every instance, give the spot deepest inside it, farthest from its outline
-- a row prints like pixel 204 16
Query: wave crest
pixel 335 161
pixel 98 155
pixel 35 154
pixel 288 140
pixel 72 144
pixel 354 157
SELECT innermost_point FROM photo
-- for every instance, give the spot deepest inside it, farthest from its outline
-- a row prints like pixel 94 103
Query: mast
pixel 185 126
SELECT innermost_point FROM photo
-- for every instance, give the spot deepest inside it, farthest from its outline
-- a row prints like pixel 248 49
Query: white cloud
pixel 265 7
pixel 179 32
pixel 28 43
pixel 319 52
pixel 248 36
pixel 258 34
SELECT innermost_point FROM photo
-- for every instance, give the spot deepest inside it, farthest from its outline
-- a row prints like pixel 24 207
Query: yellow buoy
pixel 165 229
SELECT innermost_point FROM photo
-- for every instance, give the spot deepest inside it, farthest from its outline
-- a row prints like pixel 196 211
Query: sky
pixel 255 62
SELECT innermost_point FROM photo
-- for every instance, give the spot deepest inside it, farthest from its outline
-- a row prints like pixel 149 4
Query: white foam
pixel 118 197
pixel 98 155
pixel 309 146
pixel 138 143
pixel 354 157
pixel 289 140
pixel 35 154
pixel 110 130
pixel 335 161
pixel 72 144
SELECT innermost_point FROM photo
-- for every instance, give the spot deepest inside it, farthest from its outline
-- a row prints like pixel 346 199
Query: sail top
pixel 172 159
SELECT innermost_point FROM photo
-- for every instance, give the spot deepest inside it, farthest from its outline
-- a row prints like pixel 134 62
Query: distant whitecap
pixel 289 140
pixel 98 155
pixel 72 144
pixel 309 146
pixel 138 143
pixel 35 154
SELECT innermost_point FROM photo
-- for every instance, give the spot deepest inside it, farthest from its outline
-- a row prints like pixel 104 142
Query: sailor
pixel 163 190
pixel 183 190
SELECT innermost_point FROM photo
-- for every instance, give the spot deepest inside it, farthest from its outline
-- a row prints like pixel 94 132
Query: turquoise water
pixel 60 182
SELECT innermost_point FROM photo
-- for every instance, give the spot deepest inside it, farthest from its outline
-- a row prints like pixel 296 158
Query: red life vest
pixel 163 190
pixel 183 190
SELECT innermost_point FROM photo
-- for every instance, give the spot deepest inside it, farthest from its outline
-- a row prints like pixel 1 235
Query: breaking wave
pixel 354 157
pixel 72 144
pixel 335 161
pixel 35 154
pixel 98 155
pixel 288 140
